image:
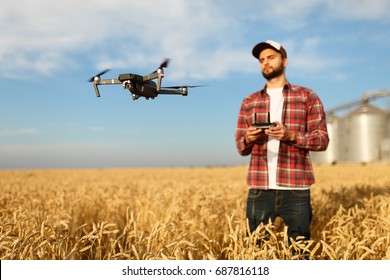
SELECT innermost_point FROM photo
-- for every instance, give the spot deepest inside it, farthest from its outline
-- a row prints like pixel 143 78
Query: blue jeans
pixel 293 206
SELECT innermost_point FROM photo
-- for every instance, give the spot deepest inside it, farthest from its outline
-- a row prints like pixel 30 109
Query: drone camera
pixel 127 85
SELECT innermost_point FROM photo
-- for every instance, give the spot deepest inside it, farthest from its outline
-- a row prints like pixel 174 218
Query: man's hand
pixel 252 135
pixel 281 132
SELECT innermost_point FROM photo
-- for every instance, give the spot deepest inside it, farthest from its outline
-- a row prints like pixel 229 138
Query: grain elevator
pixel 362 135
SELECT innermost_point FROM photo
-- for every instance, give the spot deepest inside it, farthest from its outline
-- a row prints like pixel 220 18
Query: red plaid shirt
pixel 304 114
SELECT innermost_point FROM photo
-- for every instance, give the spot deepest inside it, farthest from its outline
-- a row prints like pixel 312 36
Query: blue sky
pixel 51 118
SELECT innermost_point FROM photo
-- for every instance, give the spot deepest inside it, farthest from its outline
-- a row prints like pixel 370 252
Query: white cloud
pixel 295 14
pixel 41 35
pixel 286 14
pixel 306 58
pixel 359 9
pixel 205 38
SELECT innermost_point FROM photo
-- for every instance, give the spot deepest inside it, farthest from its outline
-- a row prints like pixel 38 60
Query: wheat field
pixel 185 214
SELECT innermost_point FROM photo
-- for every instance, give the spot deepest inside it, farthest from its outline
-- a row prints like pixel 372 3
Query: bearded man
pixel 280 171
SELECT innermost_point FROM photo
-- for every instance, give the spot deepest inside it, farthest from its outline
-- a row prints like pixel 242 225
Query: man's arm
pixel 316 138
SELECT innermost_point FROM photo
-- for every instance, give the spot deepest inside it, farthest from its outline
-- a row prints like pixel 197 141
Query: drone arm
pixel 104 82
pixel 182 91
pixel 96 89
pixel 150 76
pixel 158 74
pixel 108 82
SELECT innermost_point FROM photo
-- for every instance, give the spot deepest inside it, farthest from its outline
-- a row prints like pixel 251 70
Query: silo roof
pixel 366 109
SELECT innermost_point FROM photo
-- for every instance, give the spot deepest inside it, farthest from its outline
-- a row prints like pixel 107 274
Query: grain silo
pixel 362 131
pixel 331 155
pixel 385 143
pixel 388 122
pixel 362 135
pixel 385 150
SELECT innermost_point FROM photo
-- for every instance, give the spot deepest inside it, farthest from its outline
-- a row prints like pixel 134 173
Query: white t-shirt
pixel 276 108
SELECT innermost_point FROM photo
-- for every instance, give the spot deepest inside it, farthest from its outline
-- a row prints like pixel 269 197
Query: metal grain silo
pixel 331 155
pixel 388 122
pixel 385 150
pixel 385 143
pixel 361 132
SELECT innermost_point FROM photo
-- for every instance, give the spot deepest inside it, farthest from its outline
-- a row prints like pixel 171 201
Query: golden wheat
pixel 185 213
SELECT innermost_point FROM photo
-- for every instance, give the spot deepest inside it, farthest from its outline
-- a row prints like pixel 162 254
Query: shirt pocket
pixel 296 116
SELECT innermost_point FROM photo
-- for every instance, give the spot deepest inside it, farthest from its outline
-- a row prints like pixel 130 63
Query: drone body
pixel 141 86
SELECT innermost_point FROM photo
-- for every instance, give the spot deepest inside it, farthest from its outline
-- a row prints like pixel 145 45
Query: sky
pixel 51 118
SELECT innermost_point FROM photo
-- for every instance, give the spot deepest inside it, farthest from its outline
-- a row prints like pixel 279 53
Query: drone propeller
pixel 98 75
pixel 164 64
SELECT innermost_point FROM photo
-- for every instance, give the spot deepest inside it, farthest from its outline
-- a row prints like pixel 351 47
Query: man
pixel 280 172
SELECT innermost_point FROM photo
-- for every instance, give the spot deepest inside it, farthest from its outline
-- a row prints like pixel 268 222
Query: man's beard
pixel 277 72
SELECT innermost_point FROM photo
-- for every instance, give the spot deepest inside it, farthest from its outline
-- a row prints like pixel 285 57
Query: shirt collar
pixel 286 88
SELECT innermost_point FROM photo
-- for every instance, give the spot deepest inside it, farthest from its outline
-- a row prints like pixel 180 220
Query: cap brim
pixel 260 47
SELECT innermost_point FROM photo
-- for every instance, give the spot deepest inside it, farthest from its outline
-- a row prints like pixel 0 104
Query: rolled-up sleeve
pixel 316 137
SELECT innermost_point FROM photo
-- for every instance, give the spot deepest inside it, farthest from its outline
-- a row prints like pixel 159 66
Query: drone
pixel 141 86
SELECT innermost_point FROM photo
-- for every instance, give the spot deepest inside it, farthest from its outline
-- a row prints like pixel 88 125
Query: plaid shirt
pixel 303 113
